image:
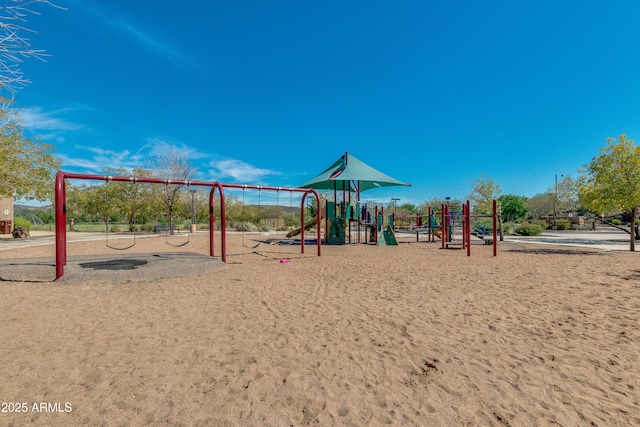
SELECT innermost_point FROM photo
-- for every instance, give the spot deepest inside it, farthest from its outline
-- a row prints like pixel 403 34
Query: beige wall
pixel 6 205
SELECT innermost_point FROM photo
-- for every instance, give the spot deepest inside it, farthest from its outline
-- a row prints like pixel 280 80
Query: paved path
pixel 605 238
pixel 40 238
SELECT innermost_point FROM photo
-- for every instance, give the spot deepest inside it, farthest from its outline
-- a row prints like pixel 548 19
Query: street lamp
pixel 394 200
pixel 555 202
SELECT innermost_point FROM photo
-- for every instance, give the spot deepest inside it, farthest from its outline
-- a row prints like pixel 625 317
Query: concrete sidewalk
pixel 41 238
pixel 605 238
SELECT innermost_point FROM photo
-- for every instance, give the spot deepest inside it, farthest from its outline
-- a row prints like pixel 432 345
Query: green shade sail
pixel 345 174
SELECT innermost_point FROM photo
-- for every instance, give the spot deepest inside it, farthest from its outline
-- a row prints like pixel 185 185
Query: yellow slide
pixel 307 226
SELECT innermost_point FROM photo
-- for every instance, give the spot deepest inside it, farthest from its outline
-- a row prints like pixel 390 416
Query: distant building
pixel 6 215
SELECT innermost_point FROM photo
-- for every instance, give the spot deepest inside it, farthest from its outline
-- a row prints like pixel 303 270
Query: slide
pixel 388 237
pixel 307 226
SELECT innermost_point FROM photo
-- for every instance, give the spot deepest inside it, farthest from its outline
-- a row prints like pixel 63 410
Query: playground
pixel 355 316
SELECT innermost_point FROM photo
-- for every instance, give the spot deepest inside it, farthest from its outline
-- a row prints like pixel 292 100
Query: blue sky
pixel 436 94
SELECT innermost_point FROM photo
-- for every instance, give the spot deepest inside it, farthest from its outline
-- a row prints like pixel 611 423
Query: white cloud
pixel 50 125
pixel 124 25
pixel 95 160
pixel 238 170
pixel 157 146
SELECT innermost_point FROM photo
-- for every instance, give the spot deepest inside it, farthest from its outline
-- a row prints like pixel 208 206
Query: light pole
pixel 555 202
pixel 394 200
pixel 193 210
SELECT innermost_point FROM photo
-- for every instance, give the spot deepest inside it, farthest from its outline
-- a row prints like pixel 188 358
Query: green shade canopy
pixel 347 172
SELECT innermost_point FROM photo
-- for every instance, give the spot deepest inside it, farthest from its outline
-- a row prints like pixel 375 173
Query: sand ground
pixel 363 335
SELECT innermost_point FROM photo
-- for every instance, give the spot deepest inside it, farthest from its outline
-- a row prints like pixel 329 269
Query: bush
pixel 615 221
pixel 21 222
pixel 529 229
pixel 563 224
pixel 542 223
pixel 146 227
pixel 244 226
pixel 508 227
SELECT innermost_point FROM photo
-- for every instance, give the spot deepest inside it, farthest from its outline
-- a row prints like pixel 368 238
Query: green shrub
pixel 21 222
pixel 508 227
pixel 146 227
pixel 542 223
pixel 563 224
pixel 529 229
pixel 244 226
pixel 616 221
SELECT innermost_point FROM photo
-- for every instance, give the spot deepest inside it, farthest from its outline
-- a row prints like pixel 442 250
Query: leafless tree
pixel 14 45
pixel 173 166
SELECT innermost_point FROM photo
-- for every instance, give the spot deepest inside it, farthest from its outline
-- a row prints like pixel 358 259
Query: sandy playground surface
pixel 364 335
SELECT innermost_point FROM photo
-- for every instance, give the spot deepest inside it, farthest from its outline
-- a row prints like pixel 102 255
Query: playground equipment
pixel 243 231
pixel 353 223
pixel 448 218
pixel 467 227
pixel 312 223
pixel 106 216
pixel 443 223
pixel 304 191
pixel 345 216
pixel 419 224
pixel 61 209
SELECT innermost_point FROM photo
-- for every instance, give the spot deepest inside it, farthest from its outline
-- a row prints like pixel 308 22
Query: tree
pixel 611 181
pixel 115 200
pixel 271 214
pixel 568 194
pixel 513 207
pixel 171 165
pixel 540 205
pixel 26 166
pixel 484 192
pixel 134 201
pixel 14 46
pixel 435 203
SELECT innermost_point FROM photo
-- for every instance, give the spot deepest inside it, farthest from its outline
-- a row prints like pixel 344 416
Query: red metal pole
pixel 319 213
pixel 442 225
pixel 304 196
pixel 318 223
pixel 61 225
pixel 223 222
pixel 464 226
pixel 359 218
pixel 495 228
pixel 467 230
pixel 376 223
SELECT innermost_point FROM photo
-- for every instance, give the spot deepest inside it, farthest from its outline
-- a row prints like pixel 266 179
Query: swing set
pixel 291 190
pixel 61 211
pixel 168 234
